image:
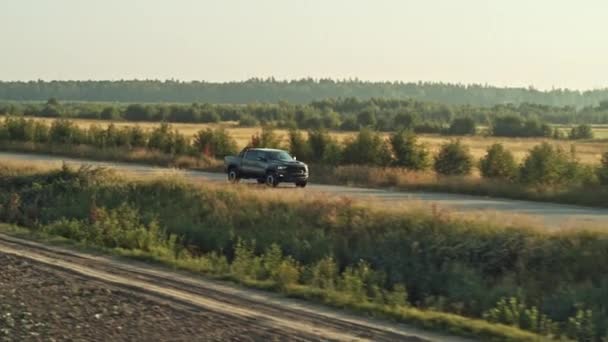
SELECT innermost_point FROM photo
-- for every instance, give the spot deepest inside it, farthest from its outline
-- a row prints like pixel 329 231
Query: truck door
pixel 249 163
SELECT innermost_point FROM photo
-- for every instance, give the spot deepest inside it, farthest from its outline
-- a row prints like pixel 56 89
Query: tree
pixel 548 165
pixel 367 118
pixel 405 121
pixel 110 113
pixel 603 170
pixel 408 153
pixel 298 146
pixel 267 139
pixel 581 132
pixel 453 159
pixel 498 163
pixel 216 143
pixel 462 126
pixel 367 148
pixel 323 148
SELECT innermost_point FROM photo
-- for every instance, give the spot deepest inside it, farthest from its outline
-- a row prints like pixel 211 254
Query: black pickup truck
pixel 269 166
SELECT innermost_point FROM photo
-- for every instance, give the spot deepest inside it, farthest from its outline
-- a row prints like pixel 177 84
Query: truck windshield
pixel 279 155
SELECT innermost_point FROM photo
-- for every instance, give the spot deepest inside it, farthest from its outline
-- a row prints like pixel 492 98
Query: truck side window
pixel 251 155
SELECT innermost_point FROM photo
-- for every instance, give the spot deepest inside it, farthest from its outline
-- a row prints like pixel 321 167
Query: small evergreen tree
pixel 453 159
pixel 498 163
pixel 408 153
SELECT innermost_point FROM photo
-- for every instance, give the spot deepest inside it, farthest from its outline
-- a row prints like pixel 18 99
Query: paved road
pixel 549 214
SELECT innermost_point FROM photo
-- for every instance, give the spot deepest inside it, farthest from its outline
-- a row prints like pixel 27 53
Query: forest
pixel 294 91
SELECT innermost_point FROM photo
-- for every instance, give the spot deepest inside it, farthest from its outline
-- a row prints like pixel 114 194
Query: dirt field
pixel 587 151
pixel 54 294
pixel 42 303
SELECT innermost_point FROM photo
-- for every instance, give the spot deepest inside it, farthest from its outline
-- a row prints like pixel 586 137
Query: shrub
pixel 404 121
pixel 462 126
pixel 429 127
pixel 512 311
pixel 266 139
pixel 110 113
pixel 66 132
pixel 581 132
pixel 214 143
pixel 325 274
pixel 515 126
pixel 168 140
pixel 549 165
pixel 367 148
pixel 603 170
pixel 248 121
pixel 581 326
pixel 349 124
pixel 453 159
pixel 298 145
pixel 498 163
pixel 323 148
pixel 367 118
pixel 408 153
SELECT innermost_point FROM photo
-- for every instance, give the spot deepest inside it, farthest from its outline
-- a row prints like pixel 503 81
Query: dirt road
pixel 51 293
pixel 550 214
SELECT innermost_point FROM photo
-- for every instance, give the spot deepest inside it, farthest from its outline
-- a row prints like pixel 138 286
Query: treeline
pixel 347 114
pixel 295 91
pixel 406 265
pixel 545 164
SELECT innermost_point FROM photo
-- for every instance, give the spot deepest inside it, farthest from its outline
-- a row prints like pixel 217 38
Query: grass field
pixel 588 151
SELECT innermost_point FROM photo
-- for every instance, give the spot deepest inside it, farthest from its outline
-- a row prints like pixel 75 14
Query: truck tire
pixel 233 175
pixel 271 180
pixel 301 184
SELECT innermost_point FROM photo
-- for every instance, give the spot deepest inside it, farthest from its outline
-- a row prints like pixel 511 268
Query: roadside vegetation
pixel 546 173
pixel 431 269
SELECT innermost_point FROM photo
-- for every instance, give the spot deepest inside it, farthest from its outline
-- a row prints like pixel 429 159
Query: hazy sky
pixel 544 43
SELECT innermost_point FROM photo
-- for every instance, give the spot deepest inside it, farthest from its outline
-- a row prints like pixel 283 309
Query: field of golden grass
pixel 588 151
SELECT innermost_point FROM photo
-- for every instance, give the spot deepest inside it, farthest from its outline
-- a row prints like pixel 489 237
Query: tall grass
pixel 335 250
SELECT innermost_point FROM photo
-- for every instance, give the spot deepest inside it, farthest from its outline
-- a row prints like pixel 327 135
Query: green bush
pixel 214 143
pixel 581 132
pixel 298 146
pixel 408 153
pixel 550 165
pixel 498 163
pixel 367 148
pixel 516 126
pixel 603 170
pixel 266 139
pixel 453 159
pixel 323 148
pixel 462 126
pixel 511 311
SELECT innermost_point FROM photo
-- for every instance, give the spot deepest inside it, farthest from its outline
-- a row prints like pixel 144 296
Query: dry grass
pixel 588 151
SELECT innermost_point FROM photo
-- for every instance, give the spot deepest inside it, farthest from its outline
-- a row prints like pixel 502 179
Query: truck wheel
pixel 271 180
pixel 301 184
pixel 233 175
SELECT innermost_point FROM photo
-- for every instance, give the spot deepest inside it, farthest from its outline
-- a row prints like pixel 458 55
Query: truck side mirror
pixel 294 158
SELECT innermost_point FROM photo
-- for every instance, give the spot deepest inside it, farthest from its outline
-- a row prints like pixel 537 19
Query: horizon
pixel 316 80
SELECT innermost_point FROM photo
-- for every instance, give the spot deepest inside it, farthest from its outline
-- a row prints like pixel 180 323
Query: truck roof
pixel 265 149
